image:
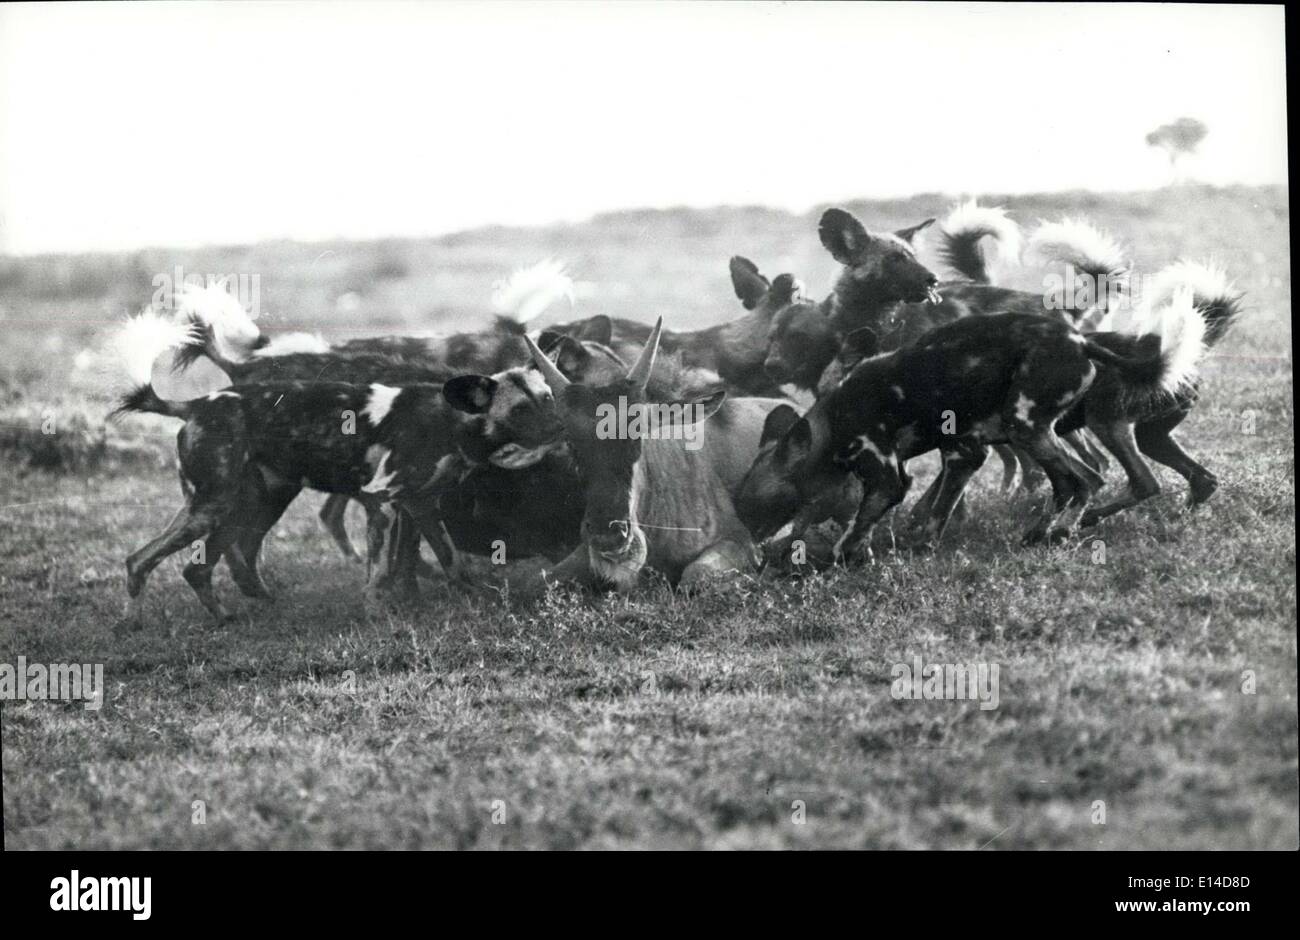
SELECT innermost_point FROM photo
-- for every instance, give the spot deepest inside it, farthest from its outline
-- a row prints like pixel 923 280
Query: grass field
pixel 1155 675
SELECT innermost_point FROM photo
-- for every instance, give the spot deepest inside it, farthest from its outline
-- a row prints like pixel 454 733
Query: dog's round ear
pixel 779 421
pixel 785 289
pixel 908 234
pixel 858 345
pixel 750 286
pixel 597 329
pixel 571 357
pixel 547 340
pixel 471 394
pixel 797 443
pixel 843 235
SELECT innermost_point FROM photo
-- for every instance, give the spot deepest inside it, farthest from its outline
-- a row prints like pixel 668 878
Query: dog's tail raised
pixel 528 292
pixel 1091 253
pixel 961 240
pixel 220 327
pixel 1214 296
pixel 1156 349
pixel 138 344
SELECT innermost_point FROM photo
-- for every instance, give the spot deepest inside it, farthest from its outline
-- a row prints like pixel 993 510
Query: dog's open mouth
pixel 932 294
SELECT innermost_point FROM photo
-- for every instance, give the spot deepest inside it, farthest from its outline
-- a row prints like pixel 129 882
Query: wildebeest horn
pixel 553 376
pixel 639 374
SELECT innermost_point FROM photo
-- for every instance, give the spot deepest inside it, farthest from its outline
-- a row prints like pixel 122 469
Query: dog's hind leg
pixel 1117 435
pixel 1087 449
pixel 1010 467
pixel 333 515
pixel 960 463
pixel 268 505
pixel 1154 438
pixel 188 526
pixel 203 561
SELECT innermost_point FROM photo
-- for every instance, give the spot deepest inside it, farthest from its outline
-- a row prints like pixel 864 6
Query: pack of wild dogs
pixel 612 449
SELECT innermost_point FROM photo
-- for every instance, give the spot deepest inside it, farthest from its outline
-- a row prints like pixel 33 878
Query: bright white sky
pixel 125 125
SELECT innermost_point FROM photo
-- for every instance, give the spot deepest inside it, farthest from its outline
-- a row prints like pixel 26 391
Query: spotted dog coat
pixel 1006 378
pixel 246 453
pixel 881 289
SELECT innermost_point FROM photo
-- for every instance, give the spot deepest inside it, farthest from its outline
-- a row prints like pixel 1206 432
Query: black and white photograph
pixel 647 426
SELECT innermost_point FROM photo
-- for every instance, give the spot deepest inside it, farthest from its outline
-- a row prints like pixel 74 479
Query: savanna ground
pixel 658 720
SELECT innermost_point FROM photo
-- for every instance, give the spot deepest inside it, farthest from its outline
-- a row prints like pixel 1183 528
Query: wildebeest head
pixel 879 269
pixel 606 439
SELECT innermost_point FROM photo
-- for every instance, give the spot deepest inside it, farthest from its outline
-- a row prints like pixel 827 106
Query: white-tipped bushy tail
pixel 291 343
pixel 962 244
pixel 143 338
pixel 1181 328
pixel 1215 297
pixel 529 291
pixel 1081 245
pixel 228 327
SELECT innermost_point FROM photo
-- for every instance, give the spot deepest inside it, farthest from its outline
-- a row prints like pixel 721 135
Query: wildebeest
pixel 651 499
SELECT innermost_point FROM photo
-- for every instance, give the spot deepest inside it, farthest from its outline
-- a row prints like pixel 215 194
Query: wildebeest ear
pixel 797 442
pixel 696 410
pixel 907 234
pixel 469 393
pixel 750 286
pixel 597 329
pixel 843 235
pixel 858 345
pixel 779 421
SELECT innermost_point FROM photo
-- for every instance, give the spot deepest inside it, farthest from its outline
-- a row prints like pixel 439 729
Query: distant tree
pixel 1178 139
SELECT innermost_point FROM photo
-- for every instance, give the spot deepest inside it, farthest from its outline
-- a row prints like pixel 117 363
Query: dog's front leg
pixel 884 486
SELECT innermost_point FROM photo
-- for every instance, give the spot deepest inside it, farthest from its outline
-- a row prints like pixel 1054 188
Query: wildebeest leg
pixel 1155 439
pixel 960 463
pixel 333 514
pixel 727 557
pixel 883 488
pixel 574 569
pixel 268 505
pixel 1142 483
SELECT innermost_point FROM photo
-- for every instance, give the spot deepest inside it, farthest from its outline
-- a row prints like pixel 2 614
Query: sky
pixel 180 124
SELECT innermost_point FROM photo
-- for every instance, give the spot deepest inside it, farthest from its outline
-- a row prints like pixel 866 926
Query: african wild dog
pixel 964 386
pixel 246 453
pixel 806 338
pixel 734 350
pixel 651 502
pixel 219 330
